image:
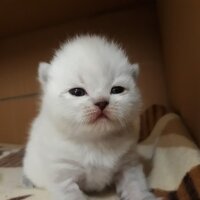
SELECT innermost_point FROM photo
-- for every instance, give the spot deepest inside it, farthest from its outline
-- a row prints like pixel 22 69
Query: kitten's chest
pixel 97 164
pixel 99 170
pixel 100 166
pixel 100 158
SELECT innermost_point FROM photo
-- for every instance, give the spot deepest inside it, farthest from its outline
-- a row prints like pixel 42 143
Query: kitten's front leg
pixel 67 190
pixel 131 185
pixel 65 177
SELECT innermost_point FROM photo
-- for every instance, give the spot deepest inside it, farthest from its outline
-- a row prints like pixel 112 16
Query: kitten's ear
pixel 135 70
pixel 43 73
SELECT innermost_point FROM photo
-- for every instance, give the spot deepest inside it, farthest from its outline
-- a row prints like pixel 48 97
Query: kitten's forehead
pixel 90 60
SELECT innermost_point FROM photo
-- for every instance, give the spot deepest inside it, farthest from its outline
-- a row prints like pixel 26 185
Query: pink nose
pixel 102 104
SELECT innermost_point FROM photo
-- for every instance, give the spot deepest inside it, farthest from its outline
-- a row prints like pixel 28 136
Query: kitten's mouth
pixel 99 117
pixel 102 115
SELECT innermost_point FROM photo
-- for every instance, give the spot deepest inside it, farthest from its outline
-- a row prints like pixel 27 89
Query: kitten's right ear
pixel 135 70
pixel 43 73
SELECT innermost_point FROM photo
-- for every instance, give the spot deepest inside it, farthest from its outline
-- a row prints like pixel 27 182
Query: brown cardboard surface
pixel 180 25
pixel 18 16
pixel 135 29
pixel 15 118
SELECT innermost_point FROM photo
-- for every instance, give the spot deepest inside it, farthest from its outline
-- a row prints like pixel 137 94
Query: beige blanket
pixel 175 173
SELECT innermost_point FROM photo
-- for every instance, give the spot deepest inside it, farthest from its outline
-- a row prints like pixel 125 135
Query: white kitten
pixel 83 137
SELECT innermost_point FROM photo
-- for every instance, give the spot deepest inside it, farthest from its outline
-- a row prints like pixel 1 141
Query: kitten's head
pixel 90 86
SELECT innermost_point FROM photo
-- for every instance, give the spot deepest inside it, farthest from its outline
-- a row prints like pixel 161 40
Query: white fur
pixel 69 151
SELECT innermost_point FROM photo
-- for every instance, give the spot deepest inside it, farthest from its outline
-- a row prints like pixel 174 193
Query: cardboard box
pixel 162 36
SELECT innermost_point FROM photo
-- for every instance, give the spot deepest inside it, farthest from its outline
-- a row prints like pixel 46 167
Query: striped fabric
pixel 189 188
pixel 13 159
pixel 20 197
pixel 149 118
pixel 182 181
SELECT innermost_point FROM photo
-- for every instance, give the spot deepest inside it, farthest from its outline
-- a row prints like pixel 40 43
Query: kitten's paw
pixel 150 196
pixel 26 182
pixel 145 196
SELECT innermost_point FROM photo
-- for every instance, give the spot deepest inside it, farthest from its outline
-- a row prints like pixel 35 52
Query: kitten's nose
pixel 102 104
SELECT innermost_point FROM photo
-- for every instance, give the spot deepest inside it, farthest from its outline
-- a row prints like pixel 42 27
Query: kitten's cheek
pixel 93 117
pixel 108 113
pixel 78 116
pixel 88 115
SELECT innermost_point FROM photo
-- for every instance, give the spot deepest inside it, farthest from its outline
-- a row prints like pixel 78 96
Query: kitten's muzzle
pixel 102 104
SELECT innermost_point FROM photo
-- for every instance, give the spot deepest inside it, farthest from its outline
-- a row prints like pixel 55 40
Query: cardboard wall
pixel 19 16
pixel 180 28
pixel 135 28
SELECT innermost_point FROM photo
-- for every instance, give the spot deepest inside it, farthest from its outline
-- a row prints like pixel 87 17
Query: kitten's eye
pixel 117 90
pixel 77 92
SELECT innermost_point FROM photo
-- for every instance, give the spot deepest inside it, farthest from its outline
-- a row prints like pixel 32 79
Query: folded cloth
pixel 175 162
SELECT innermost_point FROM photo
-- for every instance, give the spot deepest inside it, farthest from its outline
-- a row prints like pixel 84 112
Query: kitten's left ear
pixel 135 70
pixel 43 73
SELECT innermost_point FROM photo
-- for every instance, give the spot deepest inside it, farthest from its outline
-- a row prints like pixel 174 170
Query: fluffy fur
pixel 74 146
